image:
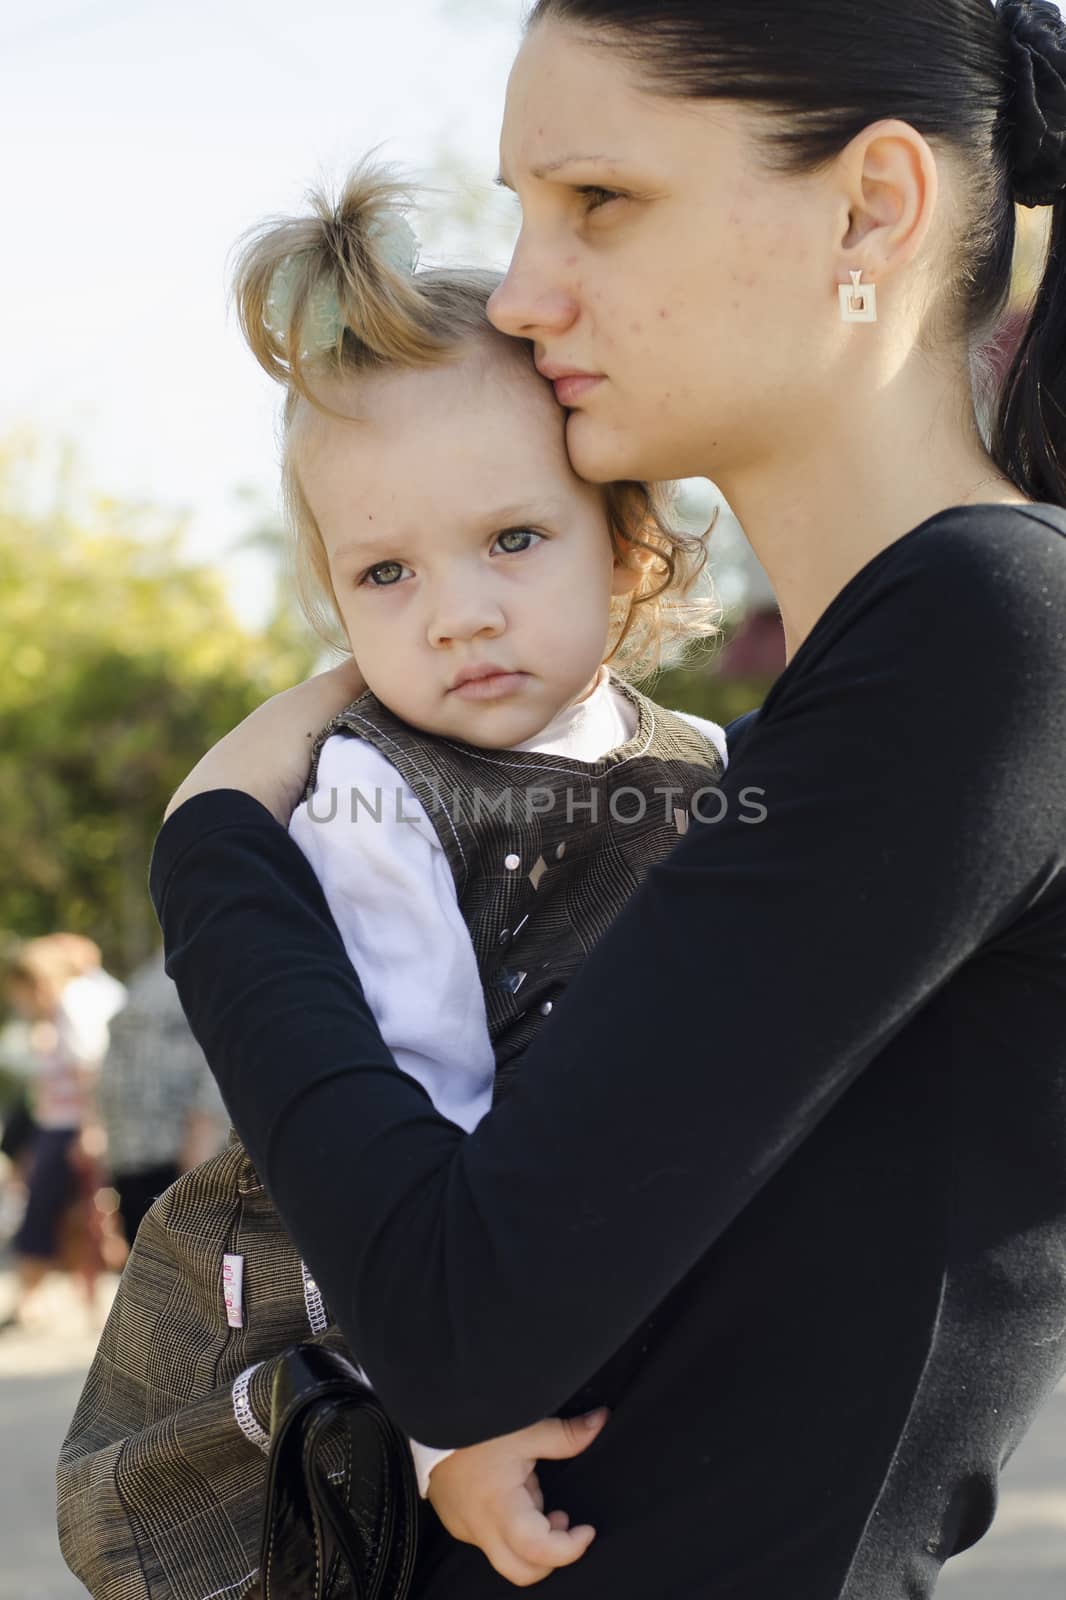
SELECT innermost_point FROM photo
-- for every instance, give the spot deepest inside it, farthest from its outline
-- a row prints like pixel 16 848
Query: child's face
pixel 458 537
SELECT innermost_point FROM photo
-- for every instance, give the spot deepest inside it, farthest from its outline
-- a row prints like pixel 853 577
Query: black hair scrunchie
pixel 1037 109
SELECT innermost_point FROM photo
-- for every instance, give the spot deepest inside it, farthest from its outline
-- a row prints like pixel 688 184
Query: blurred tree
pixel 120 663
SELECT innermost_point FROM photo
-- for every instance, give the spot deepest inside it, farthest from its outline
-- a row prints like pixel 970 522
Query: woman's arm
pixel 484 1278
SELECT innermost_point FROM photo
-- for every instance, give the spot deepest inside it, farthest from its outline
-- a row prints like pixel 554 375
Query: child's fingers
pixel 523 1574
pixel 558 1438
pixel 504 1561
pixel 538 1542
pixel 556 1519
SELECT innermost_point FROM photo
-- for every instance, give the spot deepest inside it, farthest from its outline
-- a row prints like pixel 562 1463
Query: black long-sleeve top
pixel 795 1139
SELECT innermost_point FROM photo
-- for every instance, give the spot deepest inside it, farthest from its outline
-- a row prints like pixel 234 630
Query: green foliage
pixel 698 687
pixel 120 664
pixel 704 694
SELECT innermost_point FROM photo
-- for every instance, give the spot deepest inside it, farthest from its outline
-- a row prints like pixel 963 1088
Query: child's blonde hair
pixel 335 295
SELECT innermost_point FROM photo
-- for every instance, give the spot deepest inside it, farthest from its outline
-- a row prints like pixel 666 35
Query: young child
pixel 482 812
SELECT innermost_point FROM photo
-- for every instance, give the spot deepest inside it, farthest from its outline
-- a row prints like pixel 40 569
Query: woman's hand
pixel 268 755
pixel 488 1495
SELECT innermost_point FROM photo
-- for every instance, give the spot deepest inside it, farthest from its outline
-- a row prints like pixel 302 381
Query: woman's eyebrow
pixel 547 167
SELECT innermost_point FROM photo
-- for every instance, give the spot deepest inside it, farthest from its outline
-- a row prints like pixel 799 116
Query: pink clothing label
pixel 232 1285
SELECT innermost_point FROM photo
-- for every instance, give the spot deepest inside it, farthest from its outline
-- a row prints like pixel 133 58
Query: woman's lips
pixel 493 688
pixel 570 389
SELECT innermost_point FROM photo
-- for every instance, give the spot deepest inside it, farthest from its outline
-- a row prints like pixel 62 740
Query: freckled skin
pixel 704 240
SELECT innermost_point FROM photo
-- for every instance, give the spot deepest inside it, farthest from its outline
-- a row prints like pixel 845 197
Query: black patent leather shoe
pixel 341 1515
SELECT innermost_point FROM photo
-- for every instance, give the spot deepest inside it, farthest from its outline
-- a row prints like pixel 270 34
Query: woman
pixel 794 1143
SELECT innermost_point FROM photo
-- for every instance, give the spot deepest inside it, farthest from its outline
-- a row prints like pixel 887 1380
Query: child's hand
pixel 488 1495
pixel 268 755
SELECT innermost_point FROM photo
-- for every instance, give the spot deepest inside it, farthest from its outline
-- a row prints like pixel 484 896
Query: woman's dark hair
pixel 987 82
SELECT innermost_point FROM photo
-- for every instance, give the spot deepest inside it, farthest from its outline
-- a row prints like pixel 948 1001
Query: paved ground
pixel 41 1373
pixel 1024 1558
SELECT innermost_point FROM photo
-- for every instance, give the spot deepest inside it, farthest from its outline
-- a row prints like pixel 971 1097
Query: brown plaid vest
pixel 544 850
pixel 161 1475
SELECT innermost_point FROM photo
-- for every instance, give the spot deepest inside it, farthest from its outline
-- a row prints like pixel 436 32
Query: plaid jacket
pixel 162 1472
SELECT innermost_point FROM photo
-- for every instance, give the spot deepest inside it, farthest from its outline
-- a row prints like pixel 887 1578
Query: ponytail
pixel 336 290
pixel 1029 435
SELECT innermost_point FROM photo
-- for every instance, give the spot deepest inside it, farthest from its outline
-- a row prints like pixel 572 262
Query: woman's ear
pixel 891 189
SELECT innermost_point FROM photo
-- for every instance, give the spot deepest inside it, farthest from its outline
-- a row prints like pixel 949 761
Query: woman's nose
pixel 530 303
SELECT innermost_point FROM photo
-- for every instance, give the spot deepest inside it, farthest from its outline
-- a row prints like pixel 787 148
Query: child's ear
pixel 631 571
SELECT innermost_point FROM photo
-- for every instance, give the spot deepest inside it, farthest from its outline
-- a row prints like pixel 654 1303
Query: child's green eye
pixel 385 574
pixel 513 541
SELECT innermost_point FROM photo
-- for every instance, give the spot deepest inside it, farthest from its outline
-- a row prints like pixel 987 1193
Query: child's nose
pixel 462 617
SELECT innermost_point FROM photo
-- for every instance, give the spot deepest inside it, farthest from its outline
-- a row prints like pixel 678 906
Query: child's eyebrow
pixel 362 547
pixel 517 514
pixel 495 519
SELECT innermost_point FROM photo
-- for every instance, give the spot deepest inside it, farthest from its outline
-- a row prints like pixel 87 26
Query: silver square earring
pixel 858 300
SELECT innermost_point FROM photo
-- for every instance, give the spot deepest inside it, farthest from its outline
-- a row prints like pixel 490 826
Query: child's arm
pixel 488 1495
pixel 392 895
pixel 427 1459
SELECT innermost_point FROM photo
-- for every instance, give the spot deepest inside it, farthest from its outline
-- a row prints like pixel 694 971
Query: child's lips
pixel 492 686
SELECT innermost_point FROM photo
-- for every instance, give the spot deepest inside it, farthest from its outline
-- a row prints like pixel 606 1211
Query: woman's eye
pixel 384 575
pixel 513 541
pixel 596 198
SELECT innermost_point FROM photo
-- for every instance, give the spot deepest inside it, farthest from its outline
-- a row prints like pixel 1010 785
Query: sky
pixel 140 140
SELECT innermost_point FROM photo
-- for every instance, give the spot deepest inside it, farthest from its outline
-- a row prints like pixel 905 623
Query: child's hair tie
pixel 323 323
pixel 395 246
pixel 396 243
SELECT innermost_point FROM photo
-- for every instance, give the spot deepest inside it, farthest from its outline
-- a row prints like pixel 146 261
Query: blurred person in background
pixel 157 1100
pixel 91 997
pixel 55 984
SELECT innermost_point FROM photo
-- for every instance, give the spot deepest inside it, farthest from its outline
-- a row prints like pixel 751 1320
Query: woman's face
pixel 660 257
